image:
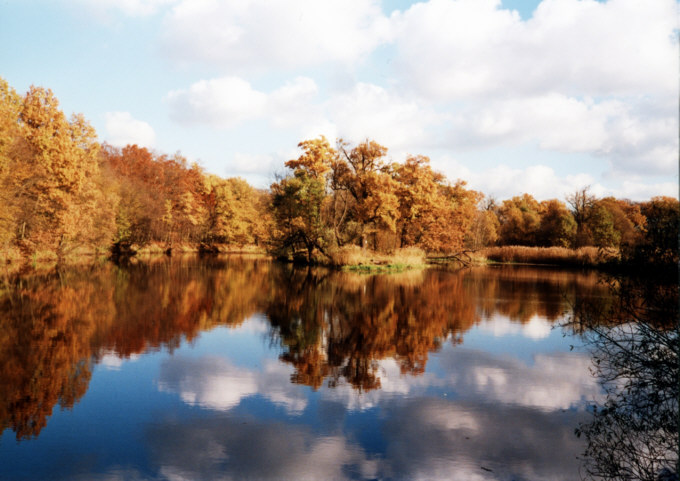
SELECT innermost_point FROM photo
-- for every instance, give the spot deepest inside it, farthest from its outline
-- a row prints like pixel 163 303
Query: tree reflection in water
pixel 633 435
pixel 332 327
pixel 54 328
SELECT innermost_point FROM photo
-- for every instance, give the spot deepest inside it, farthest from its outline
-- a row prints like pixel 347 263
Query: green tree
pixel 520 220
pixel 660 243
pixel 602 228
pixel 558 226
pixel 297 204
pixel 299 201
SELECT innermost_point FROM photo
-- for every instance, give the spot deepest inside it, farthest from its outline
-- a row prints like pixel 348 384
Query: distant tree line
pixel 62 193
pixel 641 231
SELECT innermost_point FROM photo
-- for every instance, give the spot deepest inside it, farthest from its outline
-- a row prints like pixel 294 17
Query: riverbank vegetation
pixel 64 195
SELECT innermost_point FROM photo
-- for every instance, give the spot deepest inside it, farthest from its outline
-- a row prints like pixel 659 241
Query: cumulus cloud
pixel 228 449
pixel 643 191
pixel 462 48
pixel 223 102
pixel 503 181
pixel 365 111
pixel 114 362
pixel 257 34
pixel 123 129
pixel 552 382
pixel 632 140
pixel 371 111
pixel 584 77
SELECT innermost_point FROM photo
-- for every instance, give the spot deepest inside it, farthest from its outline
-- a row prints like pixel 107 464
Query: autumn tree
pixel 10 107
pixel 520 220
pixel 142 202
pixel 361 175
pixel 627 220
pixel 603 232
pixel 459 207
pixel 581 202
pixel 163 198
pixel 432 213
pixel 484 228
pixel 50 176
pixel 353 196
pixel 298 201
pixel 557 225
pixel 234 212
pixel 659 247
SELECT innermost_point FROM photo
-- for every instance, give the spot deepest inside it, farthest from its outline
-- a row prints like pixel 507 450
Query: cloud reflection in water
pixel 477 409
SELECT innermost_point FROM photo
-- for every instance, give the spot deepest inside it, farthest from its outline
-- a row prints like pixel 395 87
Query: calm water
pixel 186 369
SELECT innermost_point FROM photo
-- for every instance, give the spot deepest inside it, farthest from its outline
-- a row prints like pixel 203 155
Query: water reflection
pixel 428 439
pixel 338 330
pixel 333 328
pixel 53 329
pixel 633 432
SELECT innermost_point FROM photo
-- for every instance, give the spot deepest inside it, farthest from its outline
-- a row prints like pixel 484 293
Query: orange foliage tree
pixel 520 219
pixel 50 176
pixel 433 214
pixel 336 197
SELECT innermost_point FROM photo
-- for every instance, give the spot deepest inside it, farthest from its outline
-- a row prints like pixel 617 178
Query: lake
pixel 242 368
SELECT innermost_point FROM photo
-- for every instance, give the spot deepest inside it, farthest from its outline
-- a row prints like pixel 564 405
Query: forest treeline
pixel 63 193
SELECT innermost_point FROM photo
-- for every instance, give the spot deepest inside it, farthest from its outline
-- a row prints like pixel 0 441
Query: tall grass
pixel 582 257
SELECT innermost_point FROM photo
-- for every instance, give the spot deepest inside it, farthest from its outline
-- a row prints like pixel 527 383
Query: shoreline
pixel 353 259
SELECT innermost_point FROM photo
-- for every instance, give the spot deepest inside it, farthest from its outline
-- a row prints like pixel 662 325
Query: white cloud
pixel 643 191
pixel 366 111
pixel 503 181
pixel 223 102
pixel 252 163
pixel 579 77
pixel 371 111
pixel 461 48
pixel 631 140
pixel 294 103
pixel 259 34
pixel 392 382
pixel 122 129
pixel 542 182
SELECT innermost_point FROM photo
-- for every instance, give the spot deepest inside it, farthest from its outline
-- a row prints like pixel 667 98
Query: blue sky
pixel 512 96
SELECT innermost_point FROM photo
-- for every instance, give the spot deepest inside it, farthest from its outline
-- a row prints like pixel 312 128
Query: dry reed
pixel 583 257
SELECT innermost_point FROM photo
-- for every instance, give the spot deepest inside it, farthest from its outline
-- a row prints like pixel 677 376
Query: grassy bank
pixel 355 258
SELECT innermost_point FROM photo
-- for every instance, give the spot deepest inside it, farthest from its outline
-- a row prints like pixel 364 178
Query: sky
pixel 512 96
